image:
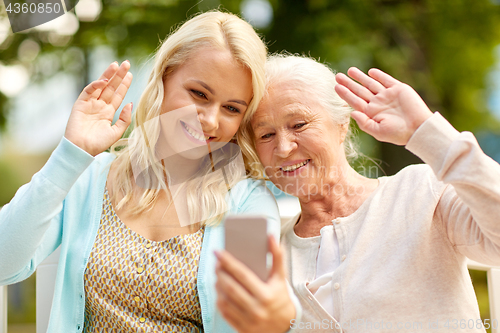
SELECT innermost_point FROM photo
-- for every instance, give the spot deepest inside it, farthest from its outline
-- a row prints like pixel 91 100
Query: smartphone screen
pixel 246 240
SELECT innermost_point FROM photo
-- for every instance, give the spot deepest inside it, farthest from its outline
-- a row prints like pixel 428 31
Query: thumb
pixel 124 121
pixel 278 269
pixel 361 118
pixel 365 123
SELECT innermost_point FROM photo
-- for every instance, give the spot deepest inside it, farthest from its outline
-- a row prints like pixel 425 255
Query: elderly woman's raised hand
pixel 89 125
pixel 385 108
pixel 249 304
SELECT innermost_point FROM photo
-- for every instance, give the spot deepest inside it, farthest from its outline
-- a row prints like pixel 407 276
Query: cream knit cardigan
pixel 405 248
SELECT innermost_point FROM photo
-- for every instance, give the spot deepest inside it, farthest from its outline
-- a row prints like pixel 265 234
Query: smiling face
pixel 217 88
pixel 297 142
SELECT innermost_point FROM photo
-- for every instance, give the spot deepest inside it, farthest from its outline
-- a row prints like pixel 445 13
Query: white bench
pixel 493 278
pixel 3 309
pixel 45 285
pixel 46 275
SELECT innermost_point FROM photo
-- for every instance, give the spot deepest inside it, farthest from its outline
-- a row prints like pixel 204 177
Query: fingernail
pixel 127 61
pixel 131 105
pixel 115 62
pixel 217 254
pixel 105 80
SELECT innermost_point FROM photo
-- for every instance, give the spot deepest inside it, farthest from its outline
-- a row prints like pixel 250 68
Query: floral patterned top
pixel 133 284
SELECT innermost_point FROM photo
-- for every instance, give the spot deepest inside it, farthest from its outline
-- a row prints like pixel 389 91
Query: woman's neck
pixel 181 169
pixel 341 198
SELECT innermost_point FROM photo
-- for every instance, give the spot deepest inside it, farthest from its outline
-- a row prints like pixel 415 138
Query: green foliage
pixel 444 49
pixel 3 110
pixel 479 281
pixel 22 301
pixel 9 181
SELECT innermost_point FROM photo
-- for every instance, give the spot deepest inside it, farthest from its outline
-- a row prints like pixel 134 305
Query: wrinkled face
pixel 298 143
pixel 210 94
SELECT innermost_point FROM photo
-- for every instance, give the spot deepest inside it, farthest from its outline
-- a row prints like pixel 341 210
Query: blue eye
pixel 198 93
pixel 232 109
pixel 266 136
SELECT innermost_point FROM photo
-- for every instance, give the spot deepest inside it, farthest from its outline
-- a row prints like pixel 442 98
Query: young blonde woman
pixel 128 263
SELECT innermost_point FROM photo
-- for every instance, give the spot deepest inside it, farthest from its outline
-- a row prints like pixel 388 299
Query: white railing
pixel 45 285
pixel 46 275
pixel 493 278
pixel 3 309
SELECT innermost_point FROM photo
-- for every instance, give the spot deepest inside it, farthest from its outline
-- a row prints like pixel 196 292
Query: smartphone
pixel 246 240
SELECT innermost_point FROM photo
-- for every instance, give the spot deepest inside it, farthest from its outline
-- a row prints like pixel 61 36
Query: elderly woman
pixel 368 254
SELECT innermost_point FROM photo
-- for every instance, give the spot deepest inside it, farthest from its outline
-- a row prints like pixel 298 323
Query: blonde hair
pixel 316 79
pixel 216 29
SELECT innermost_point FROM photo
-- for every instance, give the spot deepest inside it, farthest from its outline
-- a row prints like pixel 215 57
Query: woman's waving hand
pixel 90 123
pixel 385 108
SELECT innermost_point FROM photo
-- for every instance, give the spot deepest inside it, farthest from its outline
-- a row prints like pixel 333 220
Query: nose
pixel 209 118
pixel 286 145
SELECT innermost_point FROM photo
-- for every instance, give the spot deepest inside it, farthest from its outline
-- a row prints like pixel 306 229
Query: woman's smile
pixel 194 135
pixel 292 168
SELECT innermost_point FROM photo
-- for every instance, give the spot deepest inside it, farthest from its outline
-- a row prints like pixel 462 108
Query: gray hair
pixel 318 80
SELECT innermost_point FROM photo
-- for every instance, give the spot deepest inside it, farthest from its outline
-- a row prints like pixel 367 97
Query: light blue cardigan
pixel 62 205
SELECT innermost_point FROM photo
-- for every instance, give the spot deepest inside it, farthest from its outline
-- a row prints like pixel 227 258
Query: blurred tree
pixel 442 48
pixel 3 106
pixel 9 181
pixel 132 28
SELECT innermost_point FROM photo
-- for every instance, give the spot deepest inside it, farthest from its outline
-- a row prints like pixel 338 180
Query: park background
pixel 448 50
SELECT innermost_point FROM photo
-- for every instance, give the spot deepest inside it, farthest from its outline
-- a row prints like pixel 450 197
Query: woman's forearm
pixel 31 224
pixel 470 208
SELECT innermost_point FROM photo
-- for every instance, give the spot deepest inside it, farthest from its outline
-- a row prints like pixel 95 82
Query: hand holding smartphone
pixel 246 240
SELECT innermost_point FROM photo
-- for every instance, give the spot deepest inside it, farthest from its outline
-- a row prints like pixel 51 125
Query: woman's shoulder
pixel 414 170
pixel 247 186
pixel 413 177
pixel 251 194
pixel 411 171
